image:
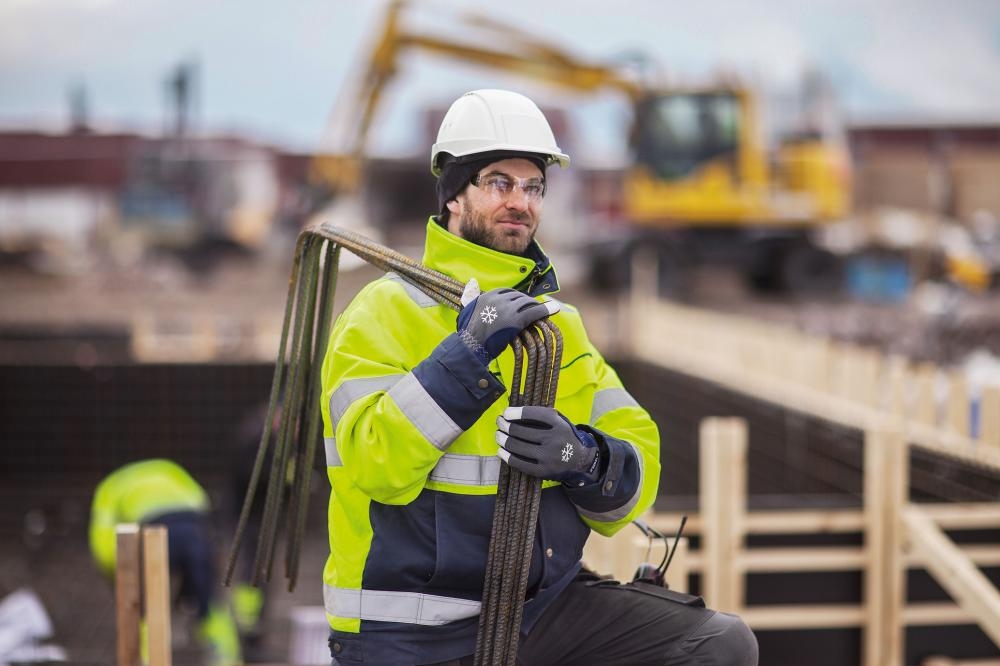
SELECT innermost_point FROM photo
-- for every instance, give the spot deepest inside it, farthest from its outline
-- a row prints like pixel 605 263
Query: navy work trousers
pixel 602 622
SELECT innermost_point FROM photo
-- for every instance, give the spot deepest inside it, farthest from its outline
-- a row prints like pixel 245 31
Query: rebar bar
pixel 517 503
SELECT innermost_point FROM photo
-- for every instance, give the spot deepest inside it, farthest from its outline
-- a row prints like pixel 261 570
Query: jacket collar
pixel 462 260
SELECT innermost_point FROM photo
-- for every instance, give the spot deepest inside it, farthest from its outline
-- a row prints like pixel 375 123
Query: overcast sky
pixel 274 70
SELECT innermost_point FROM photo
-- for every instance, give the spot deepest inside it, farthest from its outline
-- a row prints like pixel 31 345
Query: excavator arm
pixel 513 51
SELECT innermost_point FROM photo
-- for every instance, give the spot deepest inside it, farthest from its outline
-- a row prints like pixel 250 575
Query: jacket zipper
pixel 535 272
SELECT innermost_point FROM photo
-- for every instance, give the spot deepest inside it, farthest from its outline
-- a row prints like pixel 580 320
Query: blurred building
pixel 947 168
pixel 71 195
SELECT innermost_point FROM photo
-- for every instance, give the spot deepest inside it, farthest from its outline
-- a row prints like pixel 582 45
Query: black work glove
pixel 541 442
pixel 490 321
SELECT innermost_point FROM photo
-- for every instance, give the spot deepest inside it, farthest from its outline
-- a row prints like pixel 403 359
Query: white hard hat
pixel 484 121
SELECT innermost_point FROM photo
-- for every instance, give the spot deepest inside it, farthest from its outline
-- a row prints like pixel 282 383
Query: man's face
pixel 485 215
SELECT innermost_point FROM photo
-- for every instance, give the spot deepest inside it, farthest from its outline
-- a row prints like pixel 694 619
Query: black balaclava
pixel 456 173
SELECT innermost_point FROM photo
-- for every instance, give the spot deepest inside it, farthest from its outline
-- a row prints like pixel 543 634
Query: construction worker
pixel 415 425
pixel 161 492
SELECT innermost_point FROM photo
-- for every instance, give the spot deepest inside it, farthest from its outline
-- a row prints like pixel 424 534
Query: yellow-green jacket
pixel 137 493
pixel 409 420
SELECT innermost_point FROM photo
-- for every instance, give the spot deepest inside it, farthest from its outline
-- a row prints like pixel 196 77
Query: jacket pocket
pixel 346 649
pixel 664 593
pixel 462 531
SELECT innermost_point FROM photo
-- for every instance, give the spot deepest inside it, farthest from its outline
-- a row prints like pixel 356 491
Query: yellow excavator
pixel 701 184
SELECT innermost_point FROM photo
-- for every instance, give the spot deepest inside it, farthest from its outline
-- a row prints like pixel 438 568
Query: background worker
pixel 161 492
pixel 415 418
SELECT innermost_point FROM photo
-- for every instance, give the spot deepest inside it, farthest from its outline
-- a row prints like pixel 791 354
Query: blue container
pixel 883 279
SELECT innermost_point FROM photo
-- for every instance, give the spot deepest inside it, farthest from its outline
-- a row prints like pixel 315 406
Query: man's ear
pixel 454 207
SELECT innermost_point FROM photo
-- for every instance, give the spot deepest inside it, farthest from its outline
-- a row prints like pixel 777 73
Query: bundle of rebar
pixel 538 352
pixel 294 407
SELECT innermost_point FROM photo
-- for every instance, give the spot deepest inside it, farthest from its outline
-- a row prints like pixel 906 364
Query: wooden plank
pixel 807 616
pixel 841 367
pixel 960 578
pixel 958 411
pixel 980 555
pixel 826 558
pixel 924 402
pixel 948 661
pixel 128 594
pixel 804 521
pixel 953 445
pixel 783 521
pixel 649 348
pixel 894 576
pixel 989 417
pixel 722 487
pixel 897 369
pixel 869 368
pixel 156 576
pixel 874 491
pixel 957 515
pixel 964 515
pixel 818 364
pixel 802 616
pixel 935 614
pixel 886 471
pixel 667 522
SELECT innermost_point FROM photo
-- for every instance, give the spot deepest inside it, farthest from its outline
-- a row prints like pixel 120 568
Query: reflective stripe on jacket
pixel 409 421
pixel 134 494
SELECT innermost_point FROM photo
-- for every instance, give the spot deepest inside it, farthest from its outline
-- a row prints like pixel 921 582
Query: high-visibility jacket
pixel 409 421
pixel 137 493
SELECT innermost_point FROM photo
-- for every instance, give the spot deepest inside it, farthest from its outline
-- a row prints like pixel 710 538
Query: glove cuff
pixel 593 473
pixel 470 341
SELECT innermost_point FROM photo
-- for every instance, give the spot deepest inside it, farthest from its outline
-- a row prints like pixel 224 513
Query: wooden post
pixel 839 373
pixel 866 366
pixel 989 417
pixel 156 576
pixel 722 493
pixel 924 402
pixel 886 475
pixel 819 352
pixel 897 371
pixel 958 404
pixel 128 594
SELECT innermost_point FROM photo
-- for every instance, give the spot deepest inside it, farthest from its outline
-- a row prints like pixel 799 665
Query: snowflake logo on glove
pixel 488 314
pixel 567 452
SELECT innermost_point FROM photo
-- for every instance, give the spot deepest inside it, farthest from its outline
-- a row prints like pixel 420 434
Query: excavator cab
pixel 675 134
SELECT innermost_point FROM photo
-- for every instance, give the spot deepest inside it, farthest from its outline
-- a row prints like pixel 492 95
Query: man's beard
pixel 474 227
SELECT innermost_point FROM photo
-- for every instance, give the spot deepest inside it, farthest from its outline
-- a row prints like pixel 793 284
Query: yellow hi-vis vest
pixel 409 420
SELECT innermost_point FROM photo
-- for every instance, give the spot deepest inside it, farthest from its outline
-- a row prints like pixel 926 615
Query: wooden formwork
pixel 896 404
pixel 840 382
pixel 898 536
